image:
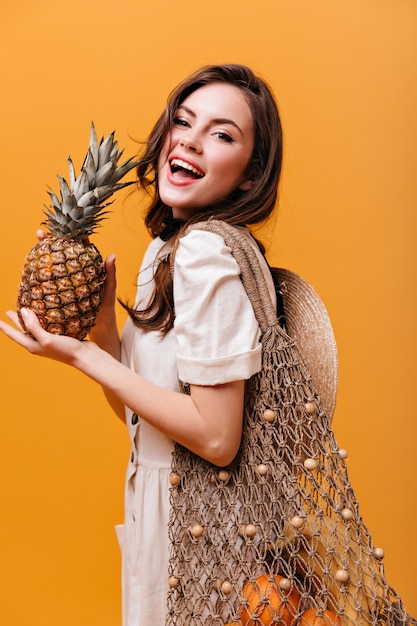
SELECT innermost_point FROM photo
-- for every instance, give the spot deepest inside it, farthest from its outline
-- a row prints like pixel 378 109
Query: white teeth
pixel 186 166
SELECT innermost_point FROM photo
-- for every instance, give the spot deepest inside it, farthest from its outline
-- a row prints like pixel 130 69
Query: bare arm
pixel 208 422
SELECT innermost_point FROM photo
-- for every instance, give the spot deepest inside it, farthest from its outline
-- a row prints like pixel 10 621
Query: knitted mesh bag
pixel 276 537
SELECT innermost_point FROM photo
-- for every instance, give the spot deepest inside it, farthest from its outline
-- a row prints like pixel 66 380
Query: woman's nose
pixel 191 143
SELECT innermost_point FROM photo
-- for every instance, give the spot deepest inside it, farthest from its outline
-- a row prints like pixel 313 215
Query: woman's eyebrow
pixel 217 120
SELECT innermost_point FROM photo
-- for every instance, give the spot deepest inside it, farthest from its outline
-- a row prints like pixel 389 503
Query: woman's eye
pixel 224 136
pixel 179 121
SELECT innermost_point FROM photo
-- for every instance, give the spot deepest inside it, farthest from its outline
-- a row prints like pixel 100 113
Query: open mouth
pixel 183 169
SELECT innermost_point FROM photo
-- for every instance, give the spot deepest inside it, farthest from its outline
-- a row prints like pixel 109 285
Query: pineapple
pixel 63 275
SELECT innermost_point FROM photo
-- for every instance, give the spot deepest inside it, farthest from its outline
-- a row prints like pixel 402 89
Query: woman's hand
pixel 80 354
pixel 105 333
pixel 86 356
pixel 41 343
pixel 209 422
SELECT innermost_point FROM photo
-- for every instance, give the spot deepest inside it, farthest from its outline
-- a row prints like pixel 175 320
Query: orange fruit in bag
pixel 315 617
pixel 266 600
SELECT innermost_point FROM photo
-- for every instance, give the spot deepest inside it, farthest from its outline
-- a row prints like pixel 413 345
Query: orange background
pixel 344 74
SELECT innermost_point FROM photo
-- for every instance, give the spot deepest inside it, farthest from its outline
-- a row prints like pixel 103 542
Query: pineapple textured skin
pixel 63 275
pixel 62 282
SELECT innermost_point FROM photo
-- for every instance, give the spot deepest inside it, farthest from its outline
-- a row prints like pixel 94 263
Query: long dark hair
pixel 240 208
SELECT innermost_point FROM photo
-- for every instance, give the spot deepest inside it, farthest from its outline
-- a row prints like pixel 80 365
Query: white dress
pixel 215 340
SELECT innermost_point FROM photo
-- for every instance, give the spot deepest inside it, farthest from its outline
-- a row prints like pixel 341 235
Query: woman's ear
pixel 246 185
pixel 249 177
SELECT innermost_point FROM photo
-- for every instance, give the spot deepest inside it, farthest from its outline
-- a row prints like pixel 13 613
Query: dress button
pixel 135 419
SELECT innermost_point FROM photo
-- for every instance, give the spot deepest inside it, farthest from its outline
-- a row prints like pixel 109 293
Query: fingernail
pixel 24 312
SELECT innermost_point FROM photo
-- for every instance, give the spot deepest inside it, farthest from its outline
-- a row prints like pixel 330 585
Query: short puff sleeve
pixel 217 334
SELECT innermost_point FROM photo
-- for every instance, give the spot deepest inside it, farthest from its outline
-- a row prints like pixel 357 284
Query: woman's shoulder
pixel 197 240
pixel 206 255
pixel 207 244
pixel 202 250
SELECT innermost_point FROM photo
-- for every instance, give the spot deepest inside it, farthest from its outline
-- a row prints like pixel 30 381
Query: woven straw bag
pixel 277 536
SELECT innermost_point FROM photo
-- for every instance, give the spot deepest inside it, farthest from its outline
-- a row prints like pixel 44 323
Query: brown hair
pixel 240 208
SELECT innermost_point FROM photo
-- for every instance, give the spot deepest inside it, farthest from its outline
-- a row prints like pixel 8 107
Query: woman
pixel 216 150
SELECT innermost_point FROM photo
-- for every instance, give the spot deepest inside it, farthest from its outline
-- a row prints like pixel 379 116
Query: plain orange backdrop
pixel 344 73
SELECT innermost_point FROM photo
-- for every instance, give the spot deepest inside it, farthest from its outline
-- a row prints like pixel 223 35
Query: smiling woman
pixel 206 154
pixel 203 326
pixel 254 198
pixel 344 76
pixel 215 151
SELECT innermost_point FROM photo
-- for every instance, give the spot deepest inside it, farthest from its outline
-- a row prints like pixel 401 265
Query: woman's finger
pixel 13 316
pixel 111 268
pixel 41 234
pixel 33 325
pixel 109 295
pixel 17 335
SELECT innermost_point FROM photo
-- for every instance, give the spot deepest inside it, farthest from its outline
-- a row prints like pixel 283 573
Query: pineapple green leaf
pixel 94 197
pixel 72 176
pixel 63 187
pixel 95 218
pixel 90 197
pixel 55 217
pixel 104 150
pixel 82 204
pixel 81 184
pixel 104 174
pixel 56 203
pixel 93 148
pixel 76 214
pixel 114 152
pixel 123 169
pixel 68 200
pixel 90 169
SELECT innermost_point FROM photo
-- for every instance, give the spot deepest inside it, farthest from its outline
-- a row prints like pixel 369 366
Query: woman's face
pixel 206 155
